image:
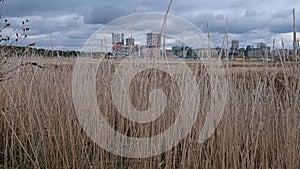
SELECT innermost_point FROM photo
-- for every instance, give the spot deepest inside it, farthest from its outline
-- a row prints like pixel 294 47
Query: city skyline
pixel 151 39
pixel 260 51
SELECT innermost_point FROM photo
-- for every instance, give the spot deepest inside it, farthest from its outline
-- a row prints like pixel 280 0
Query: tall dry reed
pixel 259 128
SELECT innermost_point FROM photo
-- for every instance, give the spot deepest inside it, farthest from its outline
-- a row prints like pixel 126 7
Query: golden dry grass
pixel 259 129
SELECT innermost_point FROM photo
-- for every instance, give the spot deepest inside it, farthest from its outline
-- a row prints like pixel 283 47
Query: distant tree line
pixel 55 53
pixel 34 52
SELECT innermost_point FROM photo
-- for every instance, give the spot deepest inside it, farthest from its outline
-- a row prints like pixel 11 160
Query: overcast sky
pixel 67 24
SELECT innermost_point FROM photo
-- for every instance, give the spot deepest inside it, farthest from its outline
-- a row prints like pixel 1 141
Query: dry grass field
pixel 259 129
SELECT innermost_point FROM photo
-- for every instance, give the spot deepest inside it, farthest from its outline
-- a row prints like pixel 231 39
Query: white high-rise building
pixel 129 41
pixel 235 44
pixel 261 45
pixel 117 37
pixel 153 39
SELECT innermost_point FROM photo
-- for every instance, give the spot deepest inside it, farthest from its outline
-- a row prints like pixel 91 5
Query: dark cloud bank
pixel 67 24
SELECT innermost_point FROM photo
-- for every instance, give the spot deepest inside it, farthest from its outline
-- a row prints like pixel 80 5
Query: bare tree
pixel 11 50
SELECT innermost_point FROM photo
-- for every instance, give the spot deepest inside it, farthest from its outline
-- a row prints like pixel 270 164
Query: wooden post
pixel 208 36
pixel 283 50
pixel 295 36
pixel 226 53
pixel 273 49
pixel 2 97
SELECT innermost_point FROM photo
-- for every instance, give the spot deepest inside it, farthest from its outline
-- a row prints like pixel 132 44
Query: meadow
pixel 259 129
